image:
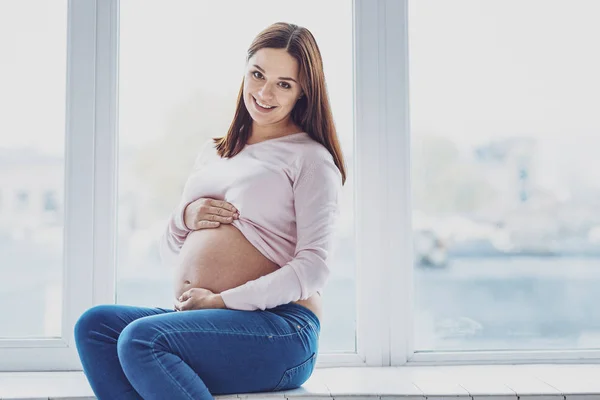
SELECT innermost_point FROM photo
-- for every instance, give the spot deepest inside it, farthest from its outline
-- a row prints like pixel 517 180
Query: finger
pixel 223 220
pixel 223 204
pixel 185 295
pixel 186 305
pixel 208 224
pixel 178 304
pixel 220 211
pixel 218 218
pixel 190 293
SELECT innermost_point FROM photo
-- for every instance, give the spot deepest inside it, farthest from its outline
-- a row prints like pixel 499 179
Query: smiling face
pixel 271 87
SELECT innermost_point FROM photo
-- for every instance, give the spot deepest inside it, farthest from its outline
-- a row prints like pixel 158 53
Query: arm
pixel 176 232
pixel 316 195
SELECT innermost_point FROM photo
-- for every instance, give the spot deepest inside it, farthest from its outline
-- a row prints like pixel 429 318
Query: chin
pixel 259 119
pixel 262 119
pixel 262 122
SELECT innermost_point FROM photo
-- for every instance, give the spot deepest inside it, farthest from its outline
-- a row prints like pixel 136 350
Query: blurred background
pixel 504 125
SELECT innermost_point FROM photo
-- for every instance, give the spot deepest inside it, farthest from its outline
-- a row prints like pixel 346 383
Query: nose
pixel 266 92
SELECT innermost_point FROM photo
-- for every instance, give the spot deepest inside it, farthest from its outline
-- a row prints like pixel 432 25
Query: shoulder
pixel 310 151
pixel 314 161
pixel 206 153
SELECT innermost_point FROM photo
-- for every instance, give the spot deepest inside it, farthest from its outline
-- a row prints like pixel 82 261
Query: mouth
pixel 262 107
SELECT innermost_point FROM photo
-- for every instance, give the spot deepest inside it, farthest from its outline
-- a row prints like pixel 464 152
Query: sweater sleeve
pixel 176 231
pixel 316 201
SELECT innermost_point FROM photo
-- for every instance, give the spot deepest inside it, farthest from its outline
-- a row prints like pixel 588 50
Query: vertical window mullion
pixel 79 162
pixel 399 257
pixel 383 182
pixel 106 154
pixel 370 200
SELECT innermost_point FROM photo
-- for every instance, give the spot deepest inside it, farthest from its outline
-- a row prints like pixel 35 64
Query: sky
pixel 32 73
pixel 485 70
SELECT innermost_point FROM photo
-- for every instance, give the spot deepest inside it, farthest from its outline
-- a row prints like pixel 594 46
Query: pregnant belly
pixel 219 259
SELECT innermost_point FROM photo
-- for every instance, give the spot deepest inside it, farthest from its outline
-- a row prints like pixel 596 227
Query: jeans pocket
pixel 296 376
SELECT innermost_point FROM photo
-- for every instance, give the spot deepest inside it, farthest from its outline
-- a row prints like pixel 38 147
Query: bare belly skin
pixel 222 258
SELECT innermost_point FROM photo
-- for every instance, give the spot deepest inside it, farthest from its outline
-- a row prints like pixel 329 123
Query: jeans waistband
pixel 299 311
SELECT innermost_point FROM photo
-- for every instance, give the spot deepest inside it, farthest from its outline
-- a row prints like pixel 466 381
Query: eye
pixel 257 75
pixel 285 85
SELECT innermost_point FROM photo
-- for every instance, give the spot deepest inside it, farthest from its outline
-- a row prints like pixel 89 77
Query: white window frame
pixel 385 322
pixel 389 168
pixel 383 210
pixel 382 194
pixel 90 189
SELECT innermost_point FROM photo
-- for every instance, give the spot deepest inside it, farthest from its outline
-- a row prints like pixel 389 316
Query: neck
pixel 263 132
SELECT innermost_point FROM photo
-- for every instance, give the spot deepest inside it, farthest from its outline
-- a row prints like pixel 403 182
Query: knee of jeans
pixel 136 335
pixel 90 319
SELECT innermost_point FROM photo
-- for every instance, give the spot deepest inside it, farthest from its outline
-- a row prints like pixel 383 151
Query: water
pixel 509 304
pixel 473 304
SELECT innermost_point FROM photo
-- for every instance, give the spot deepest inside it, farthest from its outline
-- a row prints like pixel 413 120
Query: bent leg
pixel 96 335
pixel 200 353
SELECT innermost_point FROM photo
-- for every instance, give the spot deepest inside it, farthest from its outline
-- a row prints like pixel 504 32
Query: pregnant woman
pixel 248 243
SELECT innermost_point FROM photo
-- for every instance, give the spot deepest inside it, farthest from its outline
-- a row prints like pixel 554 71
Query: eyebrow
pixel 282 78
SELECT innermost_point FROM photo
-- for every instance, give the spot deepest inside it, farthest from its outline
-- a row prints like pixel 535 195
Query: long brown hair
pixel 312 111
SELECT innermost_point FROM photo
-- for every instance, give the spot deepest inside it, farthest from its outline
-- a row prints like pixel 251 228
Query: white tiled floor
pixel 522 382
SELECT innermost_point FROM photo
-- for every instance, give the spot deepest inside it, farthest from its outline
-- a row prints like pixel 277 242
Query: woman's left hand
pixel 198 299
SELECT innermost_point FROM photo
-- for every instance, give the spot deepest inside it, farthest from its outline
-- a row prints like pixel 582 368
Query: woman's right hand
pixel 207 213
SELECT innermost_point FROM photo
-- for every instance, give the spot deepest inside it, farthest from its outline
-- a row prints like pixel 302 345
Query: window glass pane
pixel 32 95
pixel 178 88
pixel 504 110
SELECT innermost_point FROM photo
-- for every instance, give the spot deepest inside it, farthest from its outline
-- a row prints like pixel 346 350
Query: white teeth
pixel 262 105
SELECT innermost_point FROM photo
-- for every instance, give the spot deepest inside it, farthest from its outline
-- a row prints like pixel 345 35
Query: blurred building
pixel 510 164
pixel 536 218
pixel 31 192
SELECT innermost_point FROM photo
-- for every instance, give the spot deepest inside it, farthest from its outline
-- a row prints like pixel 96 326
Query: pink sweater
pixel 287 191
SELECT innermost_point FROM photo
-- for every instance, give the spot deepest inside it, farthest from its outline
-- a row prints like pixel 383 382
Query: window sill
pixel 493 382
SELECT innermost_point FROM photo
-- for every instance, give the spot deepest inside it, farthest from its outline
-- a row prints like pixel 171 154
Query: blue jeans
pixel 156 353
